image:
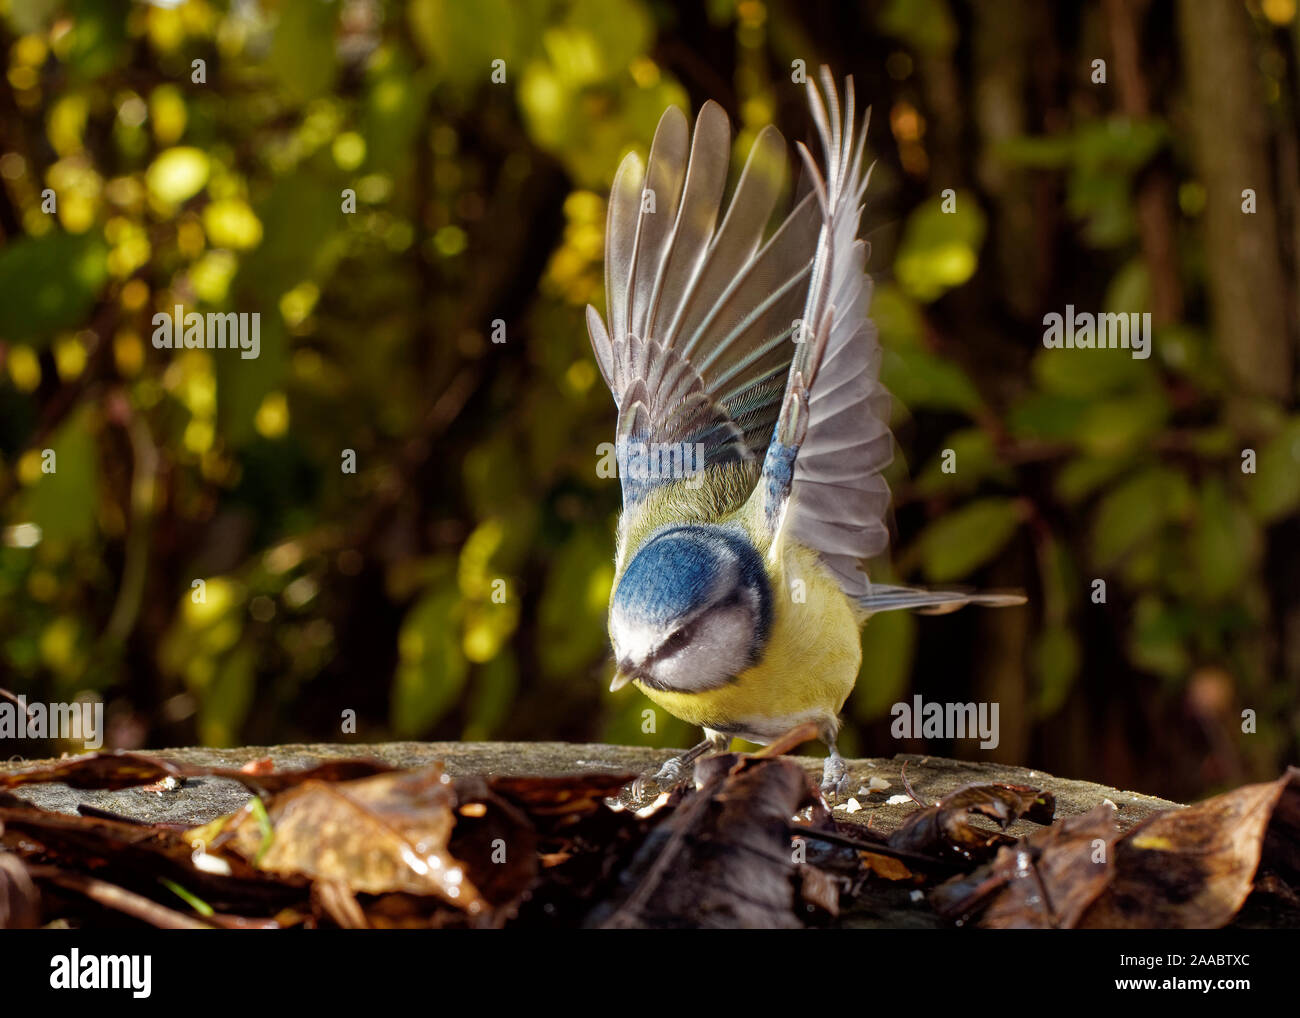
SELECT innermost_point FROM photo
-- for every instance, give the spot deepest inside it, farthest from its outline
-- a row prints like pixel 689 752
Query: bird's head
pixel 692 610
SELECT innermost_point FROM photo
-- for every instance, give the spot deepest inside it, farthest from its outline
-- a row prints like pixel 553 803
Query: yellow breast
pixel 808 667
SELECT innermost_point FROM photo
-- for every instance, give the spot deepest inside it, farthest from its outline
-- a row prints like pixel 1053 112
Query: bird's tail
pixel 882 598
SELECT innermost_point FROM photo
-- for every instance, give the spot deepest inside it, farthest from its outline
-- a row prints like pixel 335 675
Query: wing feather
pixel 700 315
pixel 839 498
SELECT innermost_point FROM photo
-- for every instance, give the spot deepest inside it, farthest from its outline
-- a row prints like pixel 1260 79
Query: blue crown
pixel 678 569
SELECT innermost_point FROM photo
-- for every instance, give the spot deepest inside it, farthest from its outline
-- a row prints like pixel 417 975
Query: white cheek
pixel 719 649
pixel 631 643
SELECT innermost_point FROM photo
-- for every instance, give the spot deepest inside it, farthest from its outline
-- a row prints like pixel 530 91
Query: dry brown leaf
pixel 1193 868
pixel 376 835
pixel 1043 881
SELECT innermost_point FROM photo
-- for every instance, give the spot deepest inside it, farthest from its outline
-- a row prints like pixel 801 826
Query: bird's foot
pixel 670 776
pixel 835 777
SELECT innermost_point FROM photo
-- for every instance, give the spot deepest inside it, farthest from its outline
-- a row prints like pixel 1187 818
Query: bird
pixel 752 432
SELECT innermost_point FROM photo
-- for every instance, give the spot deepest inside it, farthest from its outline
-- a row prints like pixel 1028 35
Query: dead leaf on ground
pixel 1194 868
pixel 722 859
pixel 374 835
pixel 1045 880
pixel 944 830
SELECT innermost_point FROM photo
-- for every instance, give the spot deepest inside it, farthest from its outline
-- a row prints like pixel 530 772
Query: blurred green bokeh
pixel 392 514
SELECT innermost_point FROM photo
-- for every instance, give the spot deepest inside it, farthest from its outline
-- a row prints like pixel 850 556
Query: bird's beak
pixel 622 676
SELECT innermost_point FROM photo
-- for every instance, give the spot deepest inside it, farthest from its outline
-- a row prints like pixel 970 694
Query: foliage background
pixel 328 591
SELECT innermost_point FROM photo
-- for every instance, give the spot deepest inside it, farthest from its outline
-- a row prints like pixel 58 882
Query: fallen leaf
pixel 1194 868
pixel 945 830
pixel 1046 880
pixel 722 858
pixel 374 835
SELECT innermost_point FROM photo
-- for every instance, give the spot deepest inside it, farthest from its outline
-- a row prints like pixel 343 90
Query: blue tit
pixel 739 593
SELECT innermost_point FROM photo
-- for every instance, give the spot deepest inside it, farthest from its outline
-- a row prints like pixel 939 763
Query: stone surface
pixel 201 799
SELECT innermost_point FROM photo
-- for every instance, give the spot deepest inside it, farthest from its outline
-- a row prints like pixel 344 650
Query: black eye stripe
pixel 674 643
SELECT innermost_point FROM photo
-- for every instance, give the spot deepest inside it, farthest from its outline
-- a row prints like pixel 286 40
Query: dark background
pixel 476 201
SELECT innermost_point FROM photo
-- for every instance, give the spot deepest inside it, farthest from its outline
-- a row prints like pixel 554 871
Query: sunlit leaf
pixel 571 616
pixel 177 174
pixel 940 250
pixel 431 670
pixel 231 223
pixel 955 545
pixel 226 702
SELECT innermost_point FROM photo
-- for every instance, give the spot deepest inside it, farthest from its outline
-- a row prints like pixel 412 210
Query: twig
pixel 882 848
pixel 118 898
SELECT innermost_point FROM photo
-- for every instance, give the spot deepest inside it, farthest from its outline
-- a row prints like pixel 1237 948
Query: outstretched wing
pixel 822 483
pixel 697 346
pixel 834 430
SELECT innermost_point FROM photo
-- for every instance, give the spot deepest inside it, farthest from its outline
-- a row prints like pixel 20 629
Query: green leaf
pixel 939 250
pixel 302 52
pixel 1043 152
pixel 1048 417
pixel 888 647
pixel 1159 637
pixel 1060 580
pixel 49 283
pixel 492 695
pixel 178 174
pixel 431 669
pixel 925 25
pixel 920 379
pixel 98 41
pixel 463 39
pixel 63 503
pixel 397 97
pixel 1083 475
pixel 1273 491
pixel 897 317
pixel 1135 511
pixel 1117 426
pixel 571 616
pixel 1130 290
pixel 225 703
pixel 1057 657
pixel 1225 543
pixel 962 541
pixel 1089 373
pixel 974 458
pixel 631 714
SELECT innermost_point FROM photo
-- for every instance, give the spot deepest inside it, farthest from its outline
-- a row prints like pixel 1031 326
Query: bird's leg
pixel 674 771
pixel 835 774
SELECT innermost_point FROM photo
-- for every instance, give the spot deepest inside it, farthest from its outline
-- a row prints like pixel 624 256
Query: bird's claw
pixel 835 777
pixel 666 778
